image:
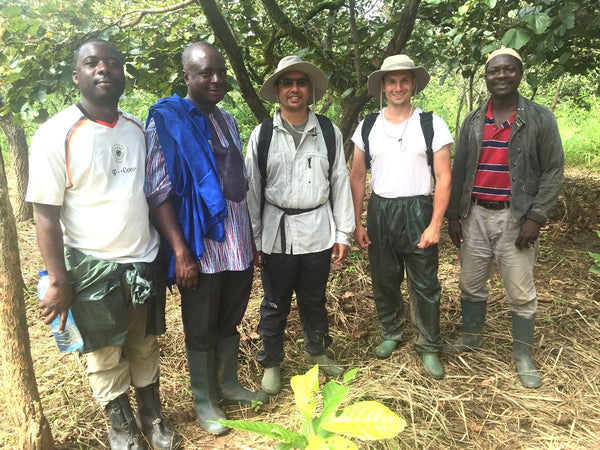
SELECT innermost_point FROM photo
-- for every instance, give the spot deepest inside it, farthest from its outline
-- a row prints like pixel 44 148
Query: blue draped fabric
pixel 185 135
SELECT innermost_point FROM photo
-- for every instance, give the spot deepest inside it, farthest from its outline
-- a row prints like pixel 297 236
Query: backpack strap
pixel 329 136
pixel 427 128
pixel 264 142
pixel 366 130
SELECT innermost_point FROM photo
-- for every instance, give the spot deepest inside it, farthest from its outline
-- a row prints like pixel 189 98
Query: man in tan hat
pixel 404 220
pixel 301 210
pixel 506 176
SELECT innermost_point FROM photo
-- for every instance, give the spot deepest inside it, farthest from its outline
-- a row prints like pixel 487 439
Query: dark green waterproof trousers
pixel 395 226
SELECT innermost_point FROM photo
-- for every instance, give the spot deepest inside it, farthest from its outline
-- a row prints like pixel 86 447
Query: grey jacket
pixel 535 158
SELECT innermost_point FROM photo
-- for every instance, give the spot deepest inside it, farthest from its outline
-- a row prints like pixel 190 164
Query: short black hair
pixel 517 60
pixel 95 41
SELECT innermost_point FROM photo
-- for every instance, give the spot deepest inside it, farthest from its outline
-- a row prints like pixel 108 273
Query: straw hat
pixel 317 78
pixel 392 64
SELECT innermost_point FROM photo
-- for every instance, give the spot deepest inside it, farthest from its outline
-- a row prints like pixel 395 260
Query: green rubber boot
pixel 385 349
pixel 523 350
pixel 232 391
pixel 326 364
pixel 433 365
pixel 271 380
pixel 204 387
pixel 473 318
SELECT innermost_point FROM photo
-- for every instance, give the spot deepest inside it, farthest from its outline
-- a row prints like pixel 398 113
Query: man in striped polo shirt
pixel 506 176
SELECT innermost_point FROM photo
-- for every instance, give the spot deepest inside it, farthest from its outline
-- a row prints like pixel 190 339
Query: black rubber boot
pixel 156 430
pixel 204 387
pixel 226 355
pixel 473 318
pixel 523 350
pixel 124 433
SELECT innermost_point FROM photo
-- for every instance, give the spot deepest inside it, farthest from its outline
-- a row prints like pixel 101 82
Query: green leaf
pixel 566 16
pixel 305 387
pixel 595 268
pixel 350 375
pixel 595 256
pixel 516 38
pixel 367 420
pixel 491 3
pixel 347 92
pixel 538 22
pixel 340 443
pixel 10 11
pixel 267 429
pixel 333 396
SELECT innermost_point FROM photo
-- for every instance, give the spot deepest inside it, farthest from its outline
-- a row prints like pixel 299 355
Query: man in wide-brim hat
pixel 301 210
pixel 404 218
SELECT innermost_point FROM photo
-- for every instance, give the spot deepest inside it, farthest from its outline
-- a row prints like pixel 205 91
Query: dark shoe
pixel 326 364
pixel 523 351
pixel 156 430
pixel 232 391
pixel 204 387
pixel 124 433
pixel 433 365
pixel 385 349
pixel 271 380
pixel 473 318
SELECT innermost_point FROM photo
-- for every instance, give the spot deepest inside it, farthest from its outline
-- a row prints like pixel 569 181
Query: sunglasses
pixel 289 82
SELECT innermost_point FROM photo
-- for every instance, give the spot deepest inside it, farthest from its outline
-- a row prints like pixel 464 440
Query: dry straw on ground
pixel 480 403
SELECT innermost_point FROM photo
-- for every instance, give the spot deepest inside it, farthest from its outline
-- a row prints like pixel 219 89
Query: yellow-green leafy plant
pixel 365 420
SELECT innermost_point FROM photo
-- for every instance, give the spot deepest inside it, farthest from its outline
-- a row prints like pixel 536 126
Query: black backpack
pixel 426 126
pixel 264 142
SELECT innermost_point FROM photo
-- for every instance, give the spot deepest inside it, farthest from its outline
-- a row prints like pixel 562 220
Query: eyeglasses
pixel 289 82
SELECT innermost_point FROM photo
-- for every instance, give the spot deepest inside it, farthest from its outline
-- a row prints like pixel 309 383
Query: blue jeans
pixel 490 234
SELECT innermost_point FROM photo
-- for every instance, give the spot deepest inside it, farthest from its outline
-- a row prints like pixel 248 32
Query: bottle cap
pixel 43 273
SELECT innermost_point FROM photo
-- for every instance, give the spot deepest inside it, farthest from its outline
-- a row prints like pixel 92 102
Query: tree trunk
pixel 19 388
pixel 17 144
pixel 458 113
pixel 225 35
pixel 557 93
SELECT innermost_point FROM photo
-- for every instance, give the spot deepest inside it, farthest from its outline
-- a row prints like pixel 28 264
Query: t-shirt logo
pixel 119 153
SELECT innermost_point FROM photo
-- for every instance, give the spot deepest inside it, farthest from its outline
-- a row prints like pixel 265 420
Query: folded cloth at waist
pixel 487 204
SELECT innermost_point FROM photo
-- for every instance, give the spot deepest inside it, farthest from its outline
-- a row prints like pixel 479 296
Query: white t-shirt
pixel 95 172
pixel 401 171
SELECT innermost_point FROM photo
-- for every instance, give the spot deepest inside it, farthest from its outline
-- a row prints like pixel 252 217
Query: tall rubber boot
pixel 154 427
pixel 473 318
pixel 204 387
pixel 523 350
pixel 232 391
pixel 124 433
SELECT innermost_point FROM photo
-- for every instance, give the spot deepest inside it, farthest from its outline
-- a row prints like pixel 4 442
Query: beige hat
pixel 504 51
pixel 317 78
pixel 392 64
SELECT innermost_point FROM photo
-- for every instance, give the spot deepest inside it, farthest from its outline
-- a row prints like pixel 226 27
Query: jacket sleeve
pixel 341 196
pixel 551 160
pixel 254 188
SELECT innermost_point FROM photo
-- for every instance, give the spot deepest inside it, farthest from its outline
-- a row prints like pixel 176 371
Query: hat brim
pixel 317 77
pixel 374 80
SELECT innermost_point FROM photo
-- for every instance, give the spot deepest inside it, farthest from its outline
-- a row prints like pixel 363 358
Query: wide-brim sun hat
pixel 317 78
pixel 392 64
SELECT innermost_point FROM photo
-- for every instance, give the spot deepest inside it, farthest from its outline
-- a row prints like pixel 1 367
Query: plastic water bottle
pixel 70 339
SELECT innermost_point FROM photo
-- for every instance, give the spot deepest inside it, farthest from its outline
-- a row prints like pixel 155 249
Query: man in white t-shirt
pixel 404 220
pixel 86 183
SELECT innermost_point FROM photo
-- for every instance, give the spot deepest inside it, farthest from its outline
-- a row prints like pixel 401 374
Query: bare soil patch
pixel 480 403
